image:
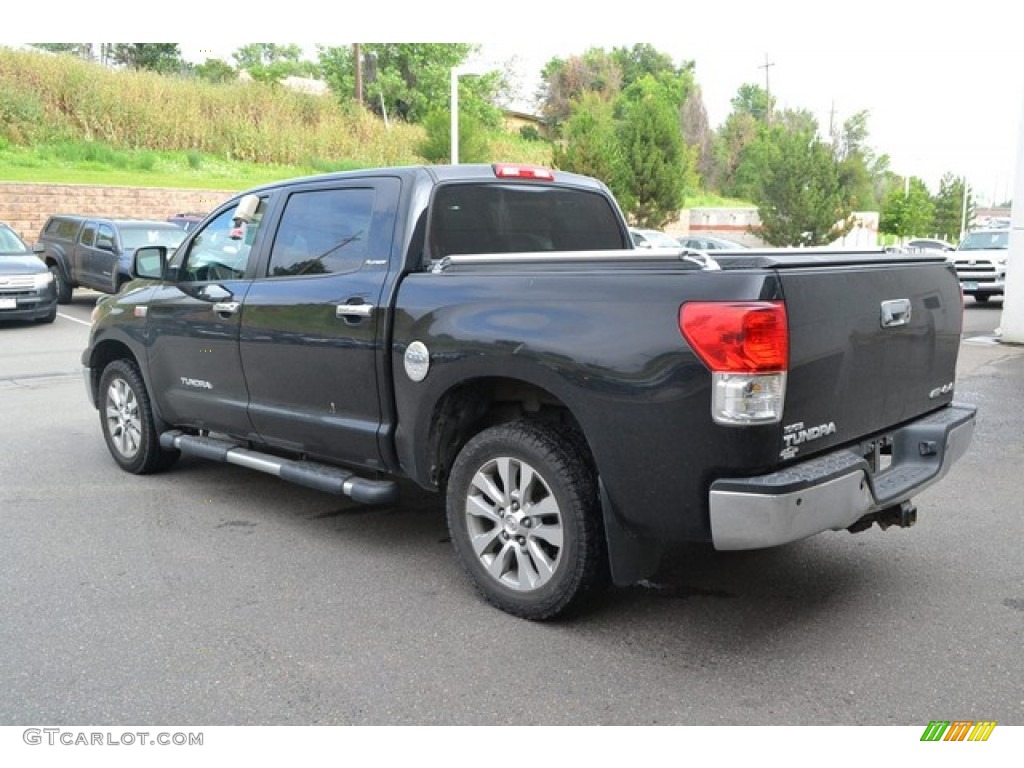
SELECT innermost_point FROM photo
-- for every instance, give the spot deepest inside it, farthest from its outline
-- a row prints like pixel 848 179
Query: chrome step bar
pixel 321 477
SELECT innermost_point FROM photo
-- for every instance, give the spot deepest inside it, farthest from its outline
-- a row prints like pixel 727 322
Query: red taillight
pixel 748 337
pixel 513 171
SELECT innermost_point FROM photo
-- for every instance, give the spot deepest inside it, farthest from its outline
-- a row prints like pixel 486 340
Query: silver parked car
pixel 27 290
pixel 652 238
pixel 706 243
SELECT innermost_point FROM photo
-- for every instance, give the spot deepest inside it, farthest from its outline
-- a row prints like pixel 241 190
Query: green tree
pixel 412 79
pixel 644 59
pixel 564 81
pixel 215 71
pixel 273 62
pixel 908 211
pixel 157 57
pixel 658 165
pixel 857 162
pixel 589 142
pixel 436 147
pixel 81 50
pixel 949 207
pixel 753 100
pixel 698 135
pixel 738 131
pixel 800 199
pixel 737 161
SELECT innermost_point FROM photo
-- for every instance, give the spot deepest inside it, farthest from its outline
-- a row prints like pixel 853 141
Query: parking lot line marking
pixel 73 319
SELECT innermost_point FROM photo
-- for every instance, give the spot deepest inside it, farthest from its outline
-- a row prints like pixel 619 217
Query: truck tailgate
pixel 868 351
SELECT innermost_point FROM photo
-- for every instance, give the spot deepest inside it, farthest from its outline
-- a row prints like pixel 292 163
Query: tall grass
pixel 68 120
pixel 47 99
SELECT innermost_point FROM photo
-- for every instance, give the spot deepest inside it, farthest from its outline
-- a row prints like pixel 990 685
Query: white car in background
pixel 980 262
pixel 926 244
pixel 652 238
pixel 706 243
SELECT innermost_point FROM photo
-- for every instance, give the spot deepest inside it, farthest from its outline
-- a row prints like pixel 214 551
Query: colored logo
pixel 958 730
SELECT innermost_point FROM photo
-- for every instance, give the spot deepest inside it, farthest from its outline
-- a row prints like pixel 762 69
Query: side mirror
pixel 150 262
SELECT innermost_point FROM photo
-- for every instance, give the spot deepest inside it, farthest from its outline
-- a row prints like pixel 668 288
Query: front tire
pixel 62 285
pixel 525 519
pixel 127 421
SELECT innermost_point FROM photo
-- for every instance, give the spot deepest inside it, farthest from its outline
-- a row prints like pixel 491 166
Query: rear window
pixel 139 237
pixel 520 218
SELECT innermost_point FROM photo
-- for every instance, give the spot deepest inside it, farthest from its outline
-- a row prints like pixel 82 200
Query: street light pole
pixel 456 72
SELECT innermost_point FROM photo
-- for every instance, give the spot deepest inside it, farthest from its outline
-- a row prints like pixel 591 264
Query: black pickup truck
pixel 490 333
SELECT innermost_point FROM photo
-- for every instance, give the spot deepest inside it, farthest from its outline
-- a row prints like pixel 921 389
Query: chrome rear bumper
pixel 834 491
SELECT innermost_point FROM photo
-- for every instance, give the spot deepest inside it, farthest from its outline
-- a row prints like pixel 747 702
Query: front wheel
pixel 62 285
pixel 126 418
pixel 525 519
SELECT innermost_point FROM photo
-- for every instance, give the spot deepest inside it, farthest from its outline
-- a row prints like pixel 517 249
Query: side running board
pixel 322 477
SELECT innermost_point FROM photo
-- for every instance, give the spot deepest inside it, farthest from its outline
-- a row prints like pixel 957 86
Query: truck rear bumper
pixel 834 491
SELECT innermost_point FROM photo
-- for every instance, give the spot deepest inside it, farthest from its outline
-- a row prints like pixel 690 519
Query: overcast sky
pixel 943 84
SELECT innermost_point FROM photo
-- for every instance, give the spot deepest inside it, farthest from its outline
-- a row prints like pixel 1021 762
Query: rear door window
pixel 88 238
pixel 105 237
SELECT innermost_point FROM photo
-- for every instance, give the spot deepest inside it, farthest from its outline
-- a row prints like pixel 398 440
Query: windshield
pixel 138 237
pixel 985 241
pixel 10 242
pixel 661 240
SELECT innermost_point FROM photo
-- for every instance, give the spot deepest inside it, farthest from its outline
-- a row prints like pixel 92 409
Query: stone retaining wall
pixel 25 207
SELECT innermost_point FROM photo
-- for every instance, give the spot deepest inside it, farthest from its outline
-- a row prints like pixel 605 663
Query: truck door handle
pixel 354 310
pixel 226 307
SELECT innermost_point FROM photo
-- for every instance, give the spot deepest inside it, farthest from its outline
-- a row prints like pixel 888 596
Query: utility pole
pixel 358 56
pixel 767 84
pixel 832 134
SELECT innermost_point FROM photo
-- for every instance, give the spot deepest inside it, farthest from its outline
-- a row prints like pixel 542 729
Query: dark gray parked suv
pixel 91 252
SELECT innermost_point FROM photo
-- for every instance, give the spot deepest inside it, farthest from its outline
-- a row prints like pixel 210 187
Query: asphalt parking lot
pixel 210 595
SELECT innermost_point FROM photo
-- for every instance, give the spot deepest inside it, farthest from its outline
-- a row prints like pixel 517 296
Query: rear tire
pixel 525 519
pixel 127 422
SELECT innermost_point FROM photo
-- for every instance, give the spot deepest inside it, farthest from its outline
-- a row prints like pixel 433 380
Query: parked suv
pixel 980 261
pixel 88 252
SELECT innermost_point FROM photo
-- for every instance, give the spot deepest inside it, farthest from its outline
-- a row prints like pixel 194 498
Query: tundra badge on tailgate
pixel 796 434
